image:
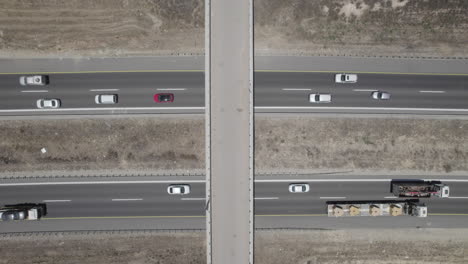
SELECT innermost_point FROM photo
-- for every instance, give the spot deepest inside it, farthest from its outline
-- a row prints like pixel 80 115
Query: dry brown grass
pixel 100 28
pixel 363 246
pixel 361 144
pixel 292 144
pixel 92 144
pixel 330 27
pixel 136 248
pixel 363 27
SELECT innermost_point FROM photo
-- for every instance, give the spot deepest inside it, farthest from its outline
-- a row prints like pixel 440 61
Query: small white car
pixel 34 80
pixel 180 189
pixel 345 78
pixel 380 95
pixel 299 188
pixel 106 99
pixel 320 98
pixel 48 103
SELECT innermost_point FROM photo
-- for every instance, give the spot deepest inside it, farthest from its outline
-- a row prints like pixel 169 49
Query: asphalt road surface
pixel 143 203
pixel 151 198
pixel 274 91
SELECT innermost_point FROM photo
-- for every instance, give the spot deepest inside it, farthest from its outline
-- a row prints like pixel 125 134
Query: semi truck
pixel 25 211
pixel 376 208
pixel 420 189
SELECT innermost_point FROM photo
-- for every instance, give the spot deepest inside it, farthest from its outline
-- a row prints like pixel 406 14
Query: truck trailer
pixel 376 208
pixel 420 189
pixel 25 211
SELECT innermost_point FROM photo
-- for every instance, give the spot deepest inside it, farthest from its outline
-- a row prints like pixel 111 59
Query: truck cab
pixel 419 210
pixel 444 191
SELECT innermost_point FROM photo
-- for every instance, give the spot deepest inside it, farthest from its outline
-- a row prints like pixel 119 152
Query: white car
pixel 178 189
pixel 106 99
pixel 320 98
pixel 380 95
pixel 345 78
pixel 299 187
pixel 34 80
pixel 48 103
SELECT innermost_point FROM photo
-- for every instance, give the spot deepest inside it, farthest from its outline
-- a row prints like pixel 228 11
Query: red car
pixel 164 98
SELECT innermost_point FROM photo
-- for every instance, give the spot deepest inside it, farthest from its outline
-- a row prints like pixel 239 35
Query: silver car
pixel 106 99
pixel 48 103
pixel 378 95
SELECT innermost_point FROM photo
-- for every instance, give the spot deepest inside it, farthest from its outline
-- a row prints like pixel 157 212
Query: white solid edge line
pixel 266 198
pixel 203 181
pixel 35 91
pixel 55 201
pixel 296 89
pixel 450 197
pixel 103 90
pixel 364 90
pixel 257 108
pixel 358 108
pixel 332 197
pixel 171 89
pixel 390 197
pixel 129 199
pixel 193 199
pixel 101 109
pixel 432 91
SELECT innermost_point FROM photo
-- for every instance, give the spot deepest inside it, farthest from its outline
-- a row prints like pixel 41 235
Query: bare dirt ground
pixel 96 144
pixel 362 27
pixel 70 28
pixel 133 248
pixel 361 144
pixel 100 27
pixel 282 144
pixel 363 246
pixel 423 246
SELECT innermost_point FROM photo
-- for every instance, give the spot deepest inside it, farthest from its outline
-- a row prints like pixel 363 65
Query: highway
pixel 274 91
pixel 150 198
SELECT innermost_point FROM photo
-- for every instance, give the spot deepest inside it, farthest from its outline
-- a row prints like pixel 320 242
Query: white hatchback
pixel 299 187
pixel 320 98
pixel 180 189
pixel 345 78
